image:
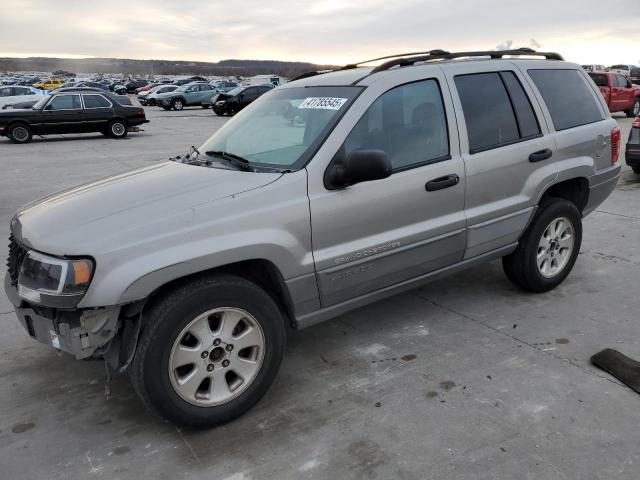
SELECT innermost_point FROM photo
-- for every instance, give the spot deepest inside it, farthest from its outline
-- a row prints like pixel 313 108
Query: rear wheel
pixel 117 129
pixel 209 351
pixel 636 169
pixel 20 133
pixel 548 249
pixel 634 111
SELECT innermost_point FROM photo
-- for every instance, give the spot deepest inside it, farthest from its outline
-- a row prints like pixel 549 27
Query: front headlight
pixel 54 282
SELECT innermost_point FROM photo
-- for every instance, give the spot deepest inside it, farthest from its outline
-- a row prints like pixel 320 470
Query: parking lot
pixel 464 378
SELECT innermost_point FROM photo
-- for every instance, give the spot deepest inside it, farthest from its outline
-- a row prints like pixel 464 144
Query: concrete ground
pixel 466 378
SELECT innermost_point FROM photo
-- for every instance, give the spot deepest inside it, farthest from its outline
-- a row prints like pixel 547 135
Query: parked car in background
pixel 116 83
pixel 182 81
pixel 620 94
pixel 191 94
pixel 623 69
pixel 49 84
pixel 222 86
pixel 594 68
pixel 146 87
pixel 150 97
pixel 635 76
pixel 130 87
pixel 71 112
pixel 13 94
pixel 235 100
pixel 632 152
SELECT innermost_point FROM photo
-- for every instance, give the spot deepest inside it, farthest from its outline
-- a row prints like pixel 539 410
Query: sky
pixel 319 31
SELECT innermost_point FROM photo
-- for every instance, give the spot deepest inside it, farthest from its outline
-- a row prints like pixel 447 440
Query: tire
pixel 156 374
pixel 117 128
pixel 152 102
pixel 167 108
pixel 525 269
pixel 205 106
pixel 636 169
pixel 218 112
pixel 177 104
pixel 20 133
pixel 635 110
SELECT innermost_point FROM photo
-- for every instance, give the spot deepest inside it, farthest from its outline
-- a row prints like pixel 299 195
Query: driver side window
pixel 64 102
pixel 408 123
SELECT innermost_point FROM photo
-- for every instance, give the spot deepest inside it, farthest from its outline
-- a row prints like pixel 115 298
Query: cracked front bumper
pixel 78 332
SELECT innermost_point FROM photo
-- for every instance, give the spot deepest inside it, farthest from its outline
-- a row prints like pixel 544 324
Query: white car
pixel 17 94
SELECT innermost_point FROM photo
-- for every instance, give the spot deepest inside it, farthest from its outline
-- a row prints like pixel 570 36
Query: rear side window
pixel 496 110
pixel 569 98
pixel 95 101
pixel 408 123
pixel 599 79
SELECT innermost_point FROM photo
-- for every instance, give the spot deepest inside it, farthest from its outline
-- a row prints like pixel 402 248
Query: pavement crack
pixel 519 340
pixel 618 214
pixel 193 452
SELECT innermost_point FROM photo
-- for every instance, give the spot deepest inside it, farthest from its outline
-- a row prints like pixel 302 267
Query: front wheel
pixel 20 133
pixel 634 111
pixel 177 104
pixel 548 249
pixel 208 351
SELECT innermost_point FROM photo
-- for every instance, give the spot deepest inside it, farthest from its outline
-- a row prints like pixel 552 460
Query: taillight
pixel 636 123
pixel 615 145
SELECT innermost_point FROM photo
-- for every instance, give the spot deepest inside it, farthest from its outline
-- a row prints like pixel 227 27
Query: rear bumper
pixel 632 155
pixel 78 332
pixel 600 187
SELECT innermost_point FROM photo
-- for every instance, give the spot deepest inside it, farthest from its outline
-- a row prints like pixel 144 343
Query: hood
pixel 80 220
pixel 222 96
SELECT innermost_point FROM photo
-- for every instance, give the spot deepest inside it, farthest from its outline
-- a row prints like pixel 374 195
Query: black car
pixel 632 152
pixel 131 87
pixel 235 100
pixel 114 97
pixel 72 112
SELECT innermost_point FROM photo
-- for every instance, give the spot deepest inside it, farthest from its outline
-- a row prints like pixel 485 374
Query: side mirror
pixel 362 165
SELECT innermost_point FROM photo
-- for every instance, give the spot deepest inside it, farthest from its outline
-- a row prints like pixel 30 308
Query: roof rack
pixel 403 61
pixel 407 59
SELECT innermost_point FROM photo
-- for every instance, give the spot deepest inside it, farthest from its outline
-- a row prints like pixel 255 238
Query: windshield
pixel 235 91
pixel 283 127
pixel 40 103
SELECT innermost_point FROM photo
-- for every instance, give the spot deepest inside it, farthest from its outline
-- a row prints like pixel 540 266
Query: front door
pixel 377 234
pixel 63 114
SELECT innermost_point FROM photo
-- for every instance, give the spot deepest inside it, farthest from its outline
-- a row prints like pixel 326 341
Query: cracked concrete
pixel 464 378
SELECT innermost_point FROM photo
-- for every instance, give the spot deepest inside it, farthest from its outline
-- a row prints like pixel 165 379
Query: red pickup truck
pixel 620 94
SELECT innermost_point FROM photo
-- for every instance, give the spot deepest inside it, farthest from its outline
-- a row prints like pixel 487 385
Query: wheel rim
pixel 636 108
pixel 118 129
pixel 178 105
pixel 555 247
pixel 216 357
pixel 20 134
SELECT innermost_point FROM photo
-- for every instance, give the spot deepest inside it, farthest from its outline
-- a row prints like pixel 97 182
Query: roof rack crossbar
pixel 442 55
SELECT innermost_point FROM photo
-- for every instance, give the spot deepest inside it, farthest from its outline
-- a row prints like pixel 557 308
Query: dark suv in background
pixel 235 100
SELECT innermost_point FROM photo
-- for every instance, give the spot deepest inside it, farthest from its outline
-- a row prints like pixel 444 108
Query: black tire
pixel 521 266
pixel 152 102
pixel 177 104
pixel 20 133
pixel 636 169
pixel 218 112
pixel 205 106
pixel 117 128
pixel 167 108
pixel 162 323
pixel 635 110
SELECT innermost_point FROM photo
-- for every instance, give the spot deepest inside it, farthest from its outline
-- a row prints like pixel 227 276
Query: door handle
pixel 442 182
pixel 540 155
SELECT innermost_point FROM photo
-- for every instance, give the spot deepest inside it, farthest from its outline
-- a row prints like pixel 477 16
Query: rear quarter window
pixel 570 100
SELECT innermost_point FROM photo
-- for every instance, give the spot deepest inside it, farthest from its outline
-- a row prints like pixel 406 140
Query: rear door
pixel 378 234
pixel 508 152
pixel 98 110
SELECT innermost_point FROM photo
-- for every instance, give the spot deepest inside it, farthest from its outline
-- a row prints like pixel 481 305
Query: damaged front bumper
pixel 81 333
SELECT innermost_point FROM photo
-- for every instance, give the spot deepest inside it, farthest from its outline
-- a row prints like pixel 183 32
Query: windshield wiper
pixel 241 163
pixel 191 158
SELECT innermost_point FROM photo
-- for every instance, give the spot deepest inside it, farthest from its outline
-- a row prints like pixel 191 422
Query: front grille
pixel 16 256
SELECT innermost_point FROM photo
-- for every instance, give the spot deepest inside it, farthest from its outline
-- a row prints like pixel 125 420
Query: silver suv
pixel 327 193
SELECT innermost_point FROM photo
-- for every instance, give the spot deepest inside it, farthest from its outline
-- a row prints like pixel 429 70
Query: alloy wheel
pixel 216 357
pixel 555 247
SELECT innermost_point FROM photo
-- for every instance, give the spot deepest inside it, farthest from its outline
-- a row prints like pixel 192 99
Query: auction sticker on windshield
pixel 324 103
